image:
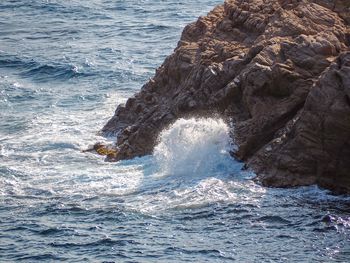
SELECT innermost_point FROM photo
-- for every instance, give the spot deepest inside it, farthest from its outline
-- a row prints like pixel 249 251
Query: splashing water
pixel 194 146
pixel 192 168
pixel 73 62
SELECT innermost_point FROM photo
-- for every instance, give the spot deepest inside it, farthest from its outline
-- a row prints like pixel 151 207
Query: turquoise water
pixel 64 67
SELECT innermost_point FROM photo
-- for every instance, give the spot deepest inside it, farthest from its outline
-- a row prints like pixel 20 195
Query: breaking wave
pixel 194 146
pixel 64 66
pixel 191 167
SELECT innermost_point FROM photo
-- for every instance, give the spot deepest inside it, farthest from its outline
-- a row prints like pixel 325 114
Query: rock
pixel 278 70
pixel 110 151
pixel 317 148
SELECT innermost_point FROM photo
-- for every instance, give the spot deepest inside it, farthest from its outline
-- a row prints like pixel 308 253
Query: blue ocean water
pixel 64 67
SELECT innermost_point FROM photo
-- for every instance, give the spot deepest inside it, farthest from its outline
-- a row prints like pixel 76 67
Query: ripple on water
pixel 64 67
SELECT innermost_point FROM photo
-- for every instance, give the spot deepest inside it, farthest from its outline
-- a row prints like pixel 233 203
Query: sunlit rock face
pixel 277 71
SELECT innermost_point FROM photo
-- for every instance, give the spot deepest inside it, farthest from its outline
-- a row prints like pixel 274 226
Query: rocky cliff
pixel 277 70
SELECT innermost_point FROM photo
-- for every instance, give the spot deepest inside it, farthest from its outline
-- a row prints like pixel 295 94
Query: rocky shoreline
pixel 278 71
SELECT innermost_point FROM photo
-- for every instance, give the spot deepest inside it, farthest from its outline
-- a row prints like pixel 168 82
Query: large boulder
pixel 276 71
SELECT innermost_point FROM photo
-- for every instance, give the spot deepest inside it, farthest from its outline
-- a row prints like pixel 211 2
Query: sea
pixel 64 68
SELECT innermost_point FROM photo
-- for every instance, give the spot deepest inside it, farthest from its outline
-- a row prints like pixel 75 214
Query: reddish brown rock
pixel 316 149
pixel 276 70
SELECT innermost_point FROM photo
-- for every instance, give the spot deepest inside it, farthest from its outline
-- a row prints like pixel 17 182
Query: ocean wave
pixel 102 242
pixel 39 71
pixel 64 66
pixel 194 146
pixel 13 61
pixel 53 72
pixel 40 257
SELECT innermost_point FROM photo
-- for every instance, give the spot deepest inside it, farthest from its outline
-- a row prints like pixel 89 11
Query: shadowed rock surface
pixel 277 71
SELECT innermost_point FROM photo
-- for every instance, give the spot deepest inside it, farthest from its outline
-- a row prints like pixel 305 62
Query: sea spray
pixel 194 146
pixel 59 204
pixel 194 169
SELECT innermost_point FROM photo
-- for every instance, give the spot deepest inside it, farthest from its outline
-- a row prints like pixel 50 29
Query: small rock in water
pixel 103 149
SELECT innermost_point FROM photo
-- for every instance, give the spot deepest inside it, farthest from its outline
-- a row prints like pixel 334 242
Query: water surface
pixel 64 67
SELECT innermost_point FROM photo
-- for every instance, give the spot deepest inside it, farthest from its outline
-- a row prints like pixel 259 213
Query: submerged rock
pixel 278 71
pixel 108 150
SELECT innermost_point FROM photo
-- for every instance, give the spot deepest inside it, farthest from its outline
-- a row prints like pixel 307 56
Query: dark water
pixel 64 66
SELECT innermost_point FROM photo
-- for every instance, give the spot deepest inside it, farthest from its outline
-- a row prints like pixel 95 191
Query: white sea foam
pixel 193 146
pixel 210 190
pixel 51 158
pixel 194 168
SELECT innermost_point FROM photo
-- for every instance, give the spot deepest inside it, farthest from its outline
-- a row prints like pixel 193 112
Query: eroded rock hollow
pixel 277 70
